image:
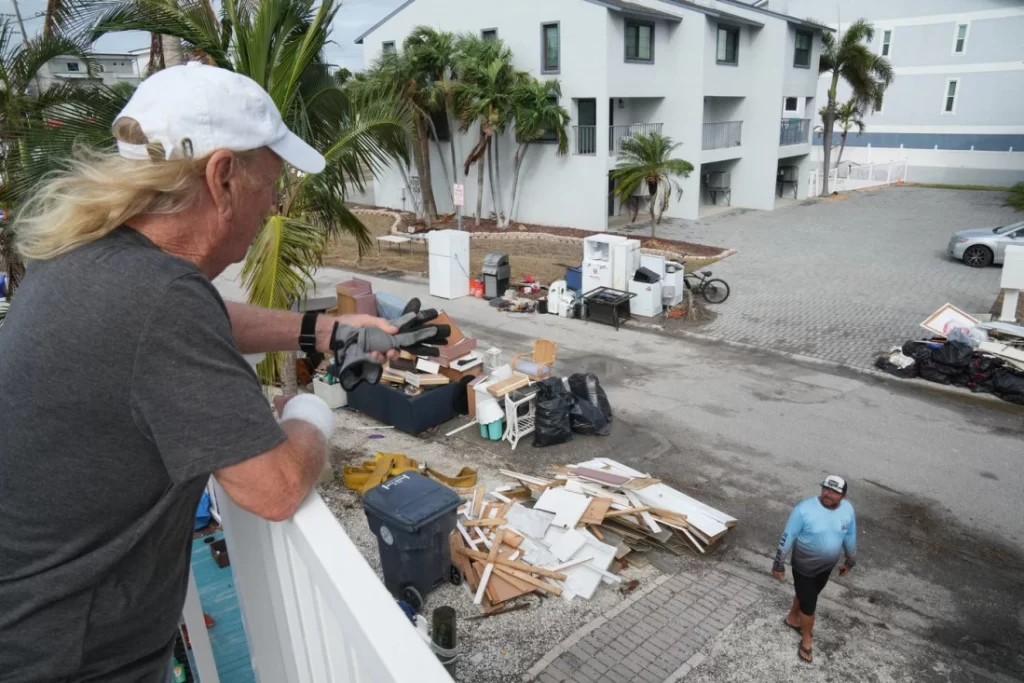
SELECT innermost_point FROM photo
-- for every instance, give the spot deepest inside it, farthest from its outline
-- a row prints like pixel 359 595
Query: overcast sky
pixel 354 17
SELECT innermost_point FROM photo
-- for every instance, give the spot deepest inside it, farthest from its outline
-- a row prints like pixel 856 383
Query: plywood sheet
pixel 567 506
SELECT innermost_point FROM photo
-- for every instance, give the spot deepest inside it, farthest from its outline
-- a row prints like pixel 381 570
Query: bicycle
pixel 714 290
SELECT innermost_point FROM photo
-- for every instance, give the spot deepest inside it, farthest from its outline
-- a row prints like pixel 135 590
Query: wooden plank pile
pixel 567 534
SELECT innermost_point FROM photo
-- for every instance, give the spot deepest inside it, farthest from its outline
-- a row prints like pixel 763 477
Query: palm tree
pixel 280 45
pixel 488 84
pixel 848 116
pixel 535 117
pixel 395 72
pixel 432 54
pixel 868 75
pixel 645 162
pixel 25 107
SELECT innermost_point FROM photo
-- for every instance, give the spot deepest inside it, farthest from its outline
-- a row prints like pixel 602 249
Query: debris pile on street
pixel 567 534
pixel 985 357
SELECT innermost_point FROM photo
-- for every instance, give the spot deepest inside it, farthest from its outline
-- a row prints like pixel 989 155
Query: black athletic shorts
pixel 808 587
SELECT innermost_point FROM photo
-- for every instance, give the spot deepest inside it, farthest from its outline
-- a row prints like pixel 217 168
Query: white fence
pixel 313 609
pixel 857 177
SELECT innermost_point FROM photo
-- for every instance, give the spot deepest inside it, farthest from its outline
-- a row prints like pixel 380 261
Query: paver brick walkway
pixel 655 639
pixel 843 280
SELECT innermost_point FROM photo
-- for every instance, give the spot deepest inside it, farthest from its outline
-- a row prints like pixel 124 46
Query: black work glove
pixel 353 346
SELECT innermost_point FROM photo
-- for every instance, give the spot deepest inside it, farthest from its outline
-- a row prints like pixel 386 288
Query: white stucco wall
pixel 572 190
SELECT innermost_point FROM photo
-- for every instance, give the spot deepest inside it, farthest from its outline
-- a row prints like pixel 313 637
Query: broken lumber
pixel 532 580
pixel 490 521
pixel 514 564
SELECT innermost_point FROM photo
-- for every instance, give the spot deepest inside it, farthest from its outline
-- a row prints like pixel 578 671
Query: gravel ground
pixel 495 649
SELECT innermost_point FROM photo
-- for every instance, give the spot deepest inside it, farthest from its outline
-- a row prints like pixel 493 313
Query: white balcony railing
pixel 616 134
pixel 313 609
pixel 795 132
pixel 722 134
pixel 586 139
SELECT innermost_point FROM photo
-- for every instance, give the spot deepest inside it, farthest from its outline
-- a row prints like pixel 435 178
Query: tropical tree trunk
pixel 172 50
pixel 517 163
pixel 289 376
pixel 490 180
pixel 156 54
pixel 500 213
pixel 451 143
pixel 440 155
pixel 417 155
pixel 654 196
pixel 479 191
pixel 426 178
pixel 830 122
pixel 842 146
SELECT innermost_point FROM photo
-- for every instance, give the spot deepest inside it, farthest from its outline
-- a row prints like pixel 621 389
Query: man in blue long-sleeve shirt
pixel 817 531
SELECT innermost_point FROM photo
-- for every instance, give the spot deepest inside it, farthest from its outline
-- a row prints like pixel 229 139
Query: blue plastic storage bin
pixel 574 278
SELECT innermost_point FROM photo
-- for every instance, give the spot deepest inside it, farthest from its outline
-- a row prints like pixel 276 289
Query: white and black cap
pixel 834 482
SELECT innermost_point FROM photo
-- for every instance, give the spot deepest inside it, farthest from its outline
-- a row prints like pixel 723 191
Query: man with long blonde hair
pixel 122 381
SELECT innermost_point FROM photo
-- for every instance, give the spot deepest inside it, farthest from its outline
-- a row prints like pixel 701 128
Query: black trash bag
pixel 588 387
pixel 981 373
pixel 918 350
pixel 586 418
pixel 885 365
pixel 934 372
pixel 954 355
pixel 1009 385
pixel 552 423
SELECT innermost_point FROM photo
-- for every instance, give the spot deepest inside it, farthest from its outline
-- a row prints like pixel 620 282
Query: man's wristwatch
pixel 307 334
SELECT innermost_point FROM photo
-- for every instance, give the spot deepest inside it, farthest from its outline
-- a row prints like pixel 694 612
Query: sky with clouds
pixel 354 17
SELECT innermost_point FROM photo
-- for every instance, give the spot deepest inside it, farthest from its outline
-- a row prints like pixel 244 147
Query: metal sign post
pixel 460 201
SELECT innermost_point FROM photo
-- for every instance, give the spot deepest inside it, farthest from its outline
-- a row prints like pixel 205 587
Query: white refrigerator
pixel 448 263
pixel 598 260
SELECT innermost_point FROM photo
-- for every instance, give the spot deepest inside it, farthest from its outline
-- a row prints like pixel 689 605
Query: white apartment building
pixel 955 110
pixel 108 69
pixel 734 84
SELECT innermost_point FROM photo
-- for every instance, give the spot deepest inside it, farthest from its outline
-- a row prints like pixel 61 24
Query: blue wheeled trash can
pixel 412 516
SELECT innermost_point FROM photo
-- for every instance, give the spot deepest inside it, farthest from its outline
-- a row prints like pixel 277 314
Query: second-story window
pixel 886 43
pixel 72 66
pixel 489 34
pixel 960 41
pixel 728 45
pixel 802 53
pixel 388 47
pixel 949 104
pixel 550 48
pixel 639 41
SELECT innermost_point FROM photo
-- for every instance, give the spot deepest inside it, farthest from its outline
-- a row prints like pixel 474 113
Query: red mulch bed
pixel 489 225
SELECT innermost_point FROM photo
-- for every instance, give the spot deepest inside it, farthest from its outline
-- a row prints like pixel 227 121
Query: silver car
pixel 985 246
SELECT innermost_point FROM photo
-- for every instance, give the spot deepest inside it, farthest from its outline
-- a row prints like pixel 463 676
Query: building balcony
pixel 616 134
pixel 795 132
pixel 312 608
pixel 585 137
pixel 722 134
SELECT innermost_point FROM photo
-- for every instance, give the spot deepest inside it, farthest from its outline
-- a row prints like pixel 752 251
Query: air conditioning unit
pixel 789 174
pixel 719 180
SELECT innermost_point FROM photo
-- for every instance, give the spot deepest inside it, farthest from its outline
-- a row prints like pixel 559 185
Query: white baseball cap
pixel 835 482
pixel 206 108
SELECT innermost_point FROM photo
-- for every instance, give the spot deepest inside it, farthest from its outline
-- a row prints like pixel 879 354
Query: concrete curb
pixel 553 654
pixel 917 385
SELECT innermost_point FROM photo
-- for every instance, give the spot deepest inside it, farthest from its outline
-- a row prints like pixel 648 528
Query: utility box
pixel 412 516
pixel 496 272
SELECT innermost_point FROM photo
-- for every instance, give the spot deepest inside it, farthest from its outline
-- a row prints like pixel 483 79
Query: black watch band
pixel 307 335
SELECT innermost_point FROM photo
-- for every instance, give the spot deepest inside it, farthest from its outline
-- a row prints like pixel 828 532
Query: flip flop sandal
pixel 795 628
pixel 806 651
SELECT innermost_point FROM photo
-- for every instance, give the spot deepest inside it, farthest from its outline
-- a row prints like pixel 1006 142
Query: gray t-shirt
pixel 121 391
